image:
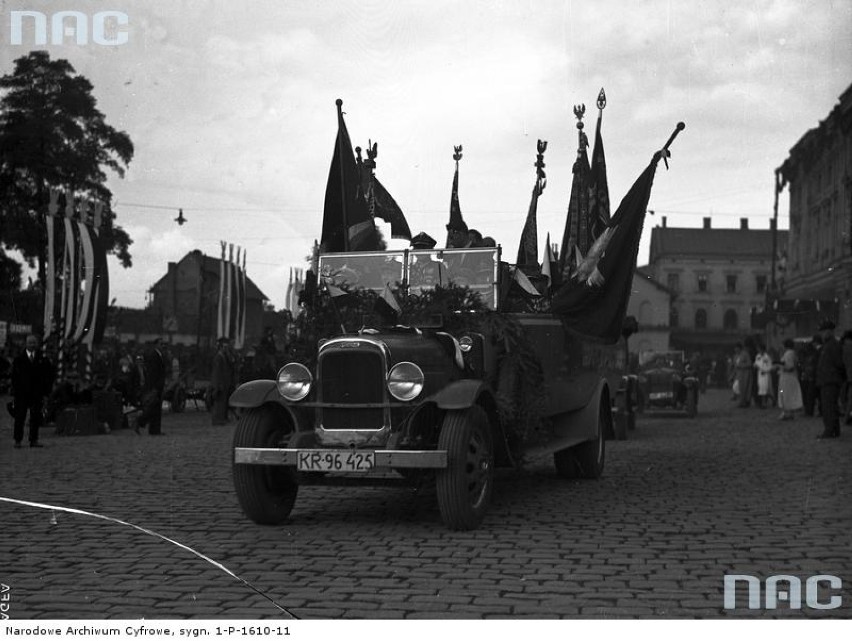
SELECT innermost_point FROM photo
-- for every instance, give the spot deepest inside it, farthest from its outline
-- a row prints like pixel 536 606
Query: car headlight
pixel 405 381
pixel 294 381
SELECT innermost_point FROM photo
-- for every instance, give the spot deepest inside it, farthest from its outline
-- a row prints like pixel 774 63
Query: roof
pixel 716 243
pixel 211 266
pixel 645 272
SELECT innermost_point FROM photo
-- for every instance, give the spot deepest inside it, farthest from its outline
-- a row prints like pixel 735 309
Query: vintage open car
pixel 666 381
pixel 419 403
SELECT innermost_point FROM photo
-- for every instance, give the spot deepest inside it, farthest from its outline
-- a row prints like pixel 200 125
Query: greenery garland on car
pixel 520 391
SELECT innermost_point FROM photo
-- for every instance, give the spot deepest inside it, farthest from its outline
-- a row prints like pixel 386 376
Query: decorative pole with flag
pixel 577 236
pixel 598 188
pixel 220 319
pixel 380 202
pixel 593 302
pixel 528 248
pixel 456 228
pixel 347 224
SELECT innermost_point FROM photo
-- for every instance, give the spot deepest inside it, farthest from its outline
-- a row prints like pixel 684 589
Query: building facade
pixel 718 279
pixel 818 172
pixel 186 300
pixel 650 305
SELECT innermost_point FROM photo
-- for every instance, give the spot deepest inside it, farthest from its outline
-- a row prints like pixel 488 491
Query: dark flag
pixel 456 227
pixel 528 248
pixel 384 206
pixel 598 189
pixel 577 235
pixel 594 301
pixel 346 224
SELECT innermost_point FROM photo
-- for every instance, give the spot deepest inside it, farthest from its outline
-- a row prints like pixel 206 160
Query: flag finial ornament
pixel 539 166
pixel 458 152
pixel 602 99
pixel 664 153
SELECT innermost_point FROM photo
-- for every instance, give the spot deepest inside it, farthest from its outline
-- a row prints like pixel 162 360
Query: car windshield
pixel 474 268
pixel 366 270
pixel 654 360
pixel 422 269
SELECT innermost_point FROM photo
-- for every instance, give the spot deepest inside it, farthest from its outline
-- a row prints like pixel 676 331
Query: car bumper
pixel 390 459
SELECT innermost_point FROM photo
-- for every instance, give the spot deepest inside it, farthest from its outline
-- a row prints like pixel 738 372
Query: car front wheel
pixel 464 487
pixel 265 492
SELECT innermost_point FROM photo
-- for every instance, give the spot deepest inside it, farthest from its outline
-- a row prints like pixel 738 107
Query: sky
pixel 231 108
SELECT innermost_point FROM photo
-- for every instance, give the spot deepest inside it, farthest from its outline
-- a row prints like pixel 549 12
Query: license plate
pixel 335 461
pixel 655 395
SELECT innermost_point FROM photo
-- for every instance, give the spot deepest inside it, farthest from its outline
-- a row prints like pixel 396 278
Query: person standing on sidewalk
pixel 830 377
pixel 763 367
pixel 847 364
pixel 153 383
pixel 222 382
pixel 789 391
pixel 744 368
pixel 32 378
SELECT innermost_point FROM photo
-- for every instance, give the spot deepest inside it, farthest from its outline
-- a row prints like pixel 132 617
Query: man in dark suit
pixel 153 383
pixel 829 378
pixel 32 377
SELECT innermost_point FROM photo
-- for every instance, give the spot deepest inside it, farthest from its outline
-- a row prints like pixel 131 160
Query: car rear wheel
pixel 586 460
pixel 266 492
pixel 464 487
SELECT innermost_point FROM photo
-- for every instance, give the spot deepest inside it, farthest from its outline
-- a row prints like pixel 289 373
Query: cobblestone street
pixel 681 503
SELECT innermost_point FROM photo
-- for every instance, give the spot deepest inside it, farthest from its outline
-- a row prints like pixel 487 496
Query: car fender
pixel 460 395
pixel 465 393
pixel 264 392
pixel 255 394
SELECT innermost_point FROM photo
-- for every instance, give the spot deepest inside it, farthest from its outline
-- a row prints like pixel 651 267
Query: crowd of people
pixel 814 378
pixel 140 377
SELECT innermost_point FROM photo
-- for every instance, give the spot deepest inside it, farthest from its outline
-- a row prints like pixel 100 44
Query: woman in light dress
pixel 789 390
pixel 763 364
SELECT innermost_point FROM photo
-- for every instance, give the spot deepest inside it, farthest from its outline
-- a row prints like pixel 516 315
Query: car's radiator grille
pixel 352 376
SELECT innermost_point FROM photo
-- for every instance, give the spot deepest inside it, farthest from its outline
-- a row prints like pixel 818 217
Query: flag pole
pixel 664 152
pixel 340 126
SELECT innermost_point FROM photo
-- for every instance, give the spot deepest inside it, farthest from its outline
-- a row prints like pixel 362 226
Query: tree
pixel 53 136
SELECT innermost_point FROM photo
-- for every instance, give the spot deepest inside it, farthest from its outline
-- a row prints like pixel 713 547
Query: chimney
pixel 664 222
pixel 743 223
pixel 706 223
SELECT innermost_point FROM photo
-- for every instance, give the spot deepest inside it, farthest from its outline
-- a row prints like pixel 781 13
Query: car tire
pixel 464 487
pixel 266 492
pixel 586 460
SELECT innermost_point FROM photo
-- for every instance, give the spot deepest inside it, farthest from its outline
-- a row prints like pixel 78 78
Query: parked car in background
pixel 667 381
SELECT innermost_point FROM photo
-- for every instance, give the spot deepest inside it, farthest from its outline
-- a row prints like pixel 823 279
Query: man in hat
pixel 32 378
pixel 830 376
pixel 423 241
pixel 222 382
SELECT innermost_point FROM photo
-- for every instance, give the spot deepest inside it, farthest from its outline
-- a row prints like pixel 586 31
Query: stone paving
pixel 681 503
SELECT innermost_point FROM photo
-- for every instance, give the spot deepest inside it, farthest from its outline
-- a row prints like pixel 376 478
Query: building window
pixel 761 283
pixel 700 319
pixel 730 320
pixel 674 317
pixel 673 281
pixel 731 283
pixel 702 282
